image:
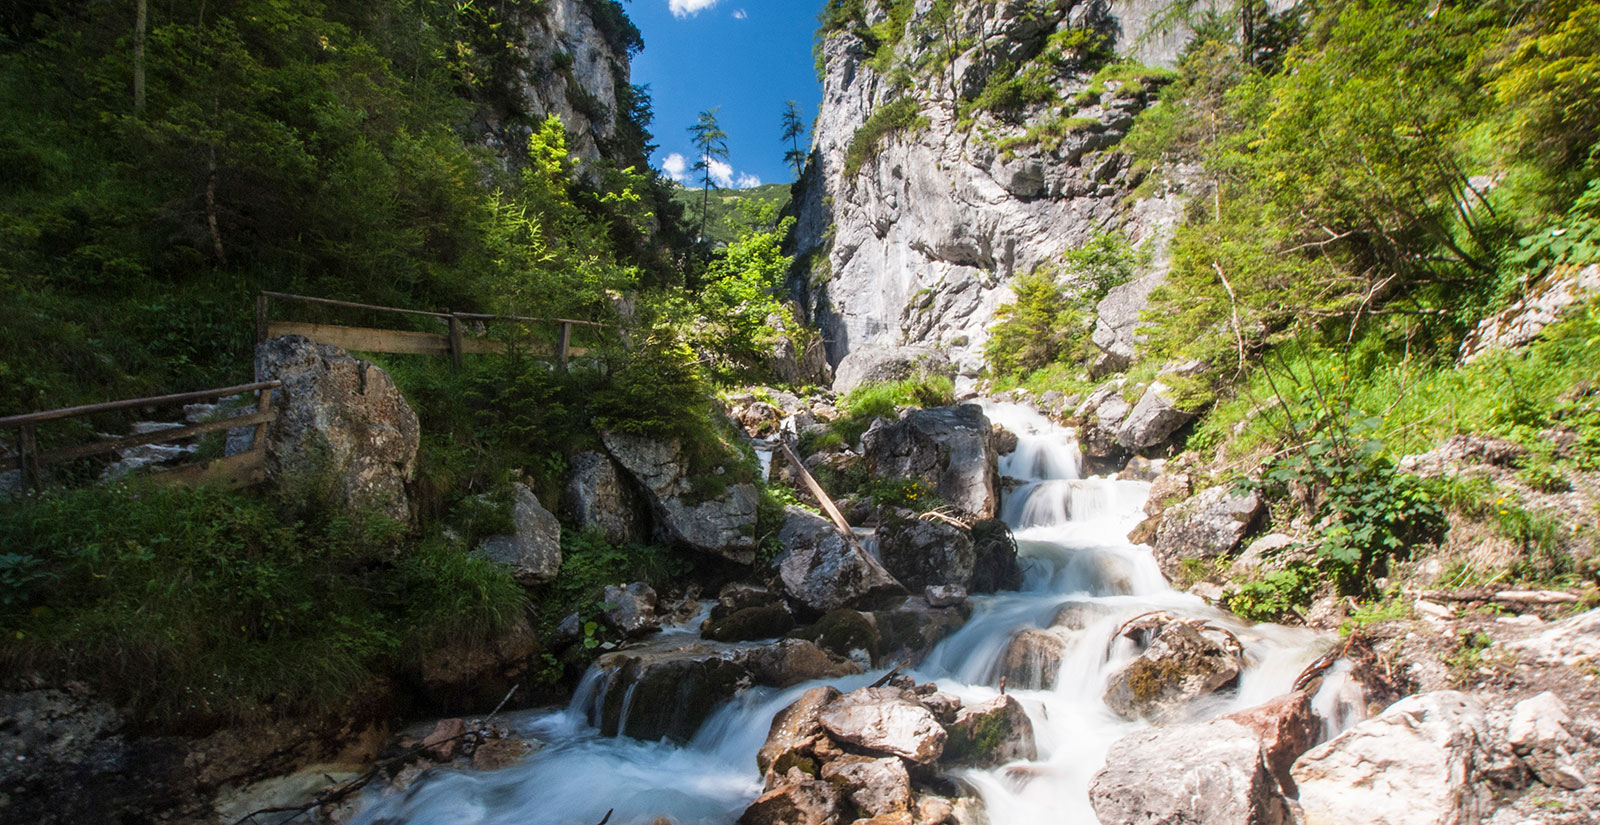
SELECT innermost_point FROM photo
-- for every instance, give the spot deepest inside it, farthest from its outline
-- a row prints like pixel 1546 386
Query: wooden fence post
pixel 28 457
pixel 263 405
pixel 261 317
pixel 455 342
pixel 566 343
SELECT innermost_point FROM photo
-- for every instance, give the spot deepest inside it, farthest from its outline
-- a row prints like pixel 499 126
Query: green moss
pixel 842 631
pixel 1149 680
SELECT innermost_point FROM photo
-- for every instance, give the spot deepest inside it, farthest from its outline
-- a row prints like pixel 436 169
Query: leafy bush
pixel 901 115
pixel 1274 595
pixel 202 605
pixel 1053 316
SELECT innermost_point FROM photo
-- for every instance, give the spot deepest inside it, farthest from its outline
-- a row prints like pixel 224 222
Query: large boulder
pixel 995 566
pixel 992 733
pixel 909 632
pixel 923 553
pixel 1182 661
pixel 1210 525
pixel 1541 734
pixel 1202 773
pixel 802 802
pixel 948 449
pixel 1153 420
pixel 789 662
pixel 821 571
pixel 798 358
pixel 1032 659
pixel 533 552
pixel 630 609
pixel 342 426
pixel 1417 763
pixel 1288 727
pixel 885 721
pixel 650 696
pixel 467 676
pixel 597 498
pixel 767 621
pixel 722 524
pixel 878 364
pixel 878 786
pixel 794 731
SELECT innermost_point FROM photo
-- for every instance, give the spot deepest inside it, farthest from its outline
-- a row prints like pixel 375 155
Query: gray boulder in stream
pixel 1206 773
pixel 947 449
pixel 1182 660
pixel 722 524
pixel 821 571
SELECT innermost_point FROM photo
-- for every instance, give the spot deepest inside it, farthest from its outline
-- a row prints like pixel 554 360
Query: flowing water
pixel 1071 532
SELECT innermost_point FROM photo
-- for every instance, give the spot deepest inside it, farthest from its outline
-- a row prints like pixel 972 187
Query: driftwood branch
pixel 1482 594
pixel 338 793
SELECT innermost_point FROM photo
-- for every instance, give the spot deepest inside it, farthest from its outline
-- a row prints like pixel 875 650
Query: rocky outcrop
pixel 1522 322
pixel 884 720
pixel 924 552
pixel 533 552
pixel 1541 735
pixel 881 364
pixel 908 632
pixel 456 678
pixel 722 523
pixel 1182 660
pixel 1206 773
pixel 920 244
pixel 1210 525
pixel 1417 763
pixel 1152 421
pixel 630 609
pixel 992 733
pixel 343 429
pixel 1288 727
pixel 821 571
pixel 994 567
pixel 598 498
pixel 948 449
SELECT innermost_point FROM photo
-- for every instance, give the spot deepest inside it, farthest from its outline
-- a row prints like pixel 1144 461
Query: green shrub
pixel 1052 319
pixel 1273 595
pixel 195 606
pixel 901 115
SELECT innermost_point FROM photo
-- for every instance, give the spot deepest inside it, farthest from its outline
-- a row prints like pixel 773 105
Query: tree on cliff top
pixel 711 144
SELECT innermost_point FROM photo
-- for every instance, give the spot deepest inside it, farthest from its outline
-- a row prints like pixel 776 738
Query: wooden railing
pixel 453 342
pixel 241 470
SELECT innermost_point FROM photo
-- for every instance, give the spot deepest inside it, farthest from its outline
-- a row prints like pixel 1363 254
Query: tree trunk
pixel 141 19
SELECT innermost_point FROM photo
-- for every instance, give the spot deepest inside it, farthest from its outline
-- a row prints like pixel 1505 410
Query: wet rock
pixel 944 595
pixel 1032 660
pixel 1099 418
pixel 1182 662
pixel 722 523
pixel 341 423
pixel 882 720
pixel 495 754
pixel 650 697
pixel 948 449
pixel 801 802
pixel 849 633
pixel 876 786
pixel 1152 421
pixel 878 364
pixel 597 498
pixel 736 596
pixel 794 730
pixel 1288 727
pixel 1211 524
pixel 1541 734
pixel 822 571
pixel 1003 440
pixel 1417 763
pixel 992 733
pixel 749 624
pixel 910 631
pixel 445 740
pixel 994 567
pixel 533 552
pixel 926 553
pixel 1205 773
pixel 792 661
pixel 632 609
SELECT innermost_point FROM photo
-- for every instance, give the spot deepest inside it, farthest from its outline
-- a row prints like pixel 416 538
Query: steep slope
pixel 959 146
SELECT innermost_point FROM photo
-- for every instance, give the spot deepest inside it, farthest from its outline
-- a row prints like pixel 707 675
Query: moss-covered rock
pixel 750 623
pixel 849 633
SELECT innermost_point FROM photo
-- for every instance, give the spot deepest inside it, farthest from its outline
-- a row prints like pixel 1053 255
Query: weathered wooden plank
pixel 135 403
pixel 158 437
pixel 353 305
pixel 366 339
pixel 235 471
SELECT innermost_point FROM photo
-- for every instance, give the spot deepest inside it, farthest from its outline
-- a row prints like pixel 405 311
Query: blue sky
pixel 746 56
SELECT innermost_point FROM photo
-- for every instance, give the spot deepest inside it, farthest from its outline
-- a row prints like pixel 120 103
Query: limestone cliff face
pixel 571 64
pixel 920 244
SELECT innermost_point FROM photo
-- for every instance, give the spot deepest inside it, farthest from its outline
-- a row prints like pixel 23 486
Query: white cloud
pixel 740 14
pixel 721 173
pixel 748 181
pixel 676 166
pixel 689 8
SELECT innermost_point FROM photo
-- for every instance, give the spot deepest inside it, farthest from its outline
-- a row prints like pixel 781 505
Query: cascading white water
pixel 1071 534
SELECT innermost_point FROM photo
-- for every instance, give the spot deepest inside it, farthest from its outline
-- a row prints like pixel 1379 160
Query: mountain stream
pixel 1071 533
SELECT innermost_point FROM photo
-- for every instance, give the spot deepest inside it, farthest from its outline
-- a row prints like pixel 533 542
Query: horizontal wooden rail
pixel 353 305
pixel 474 316
pixel 157 437
pixel 134 403
pixel 398 342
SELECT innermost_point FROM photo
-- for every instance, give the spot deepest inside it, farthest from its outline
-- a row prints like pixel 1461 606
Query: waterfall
pixel 1071 533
